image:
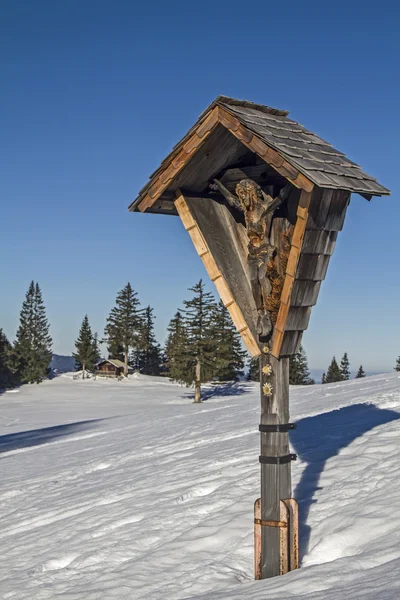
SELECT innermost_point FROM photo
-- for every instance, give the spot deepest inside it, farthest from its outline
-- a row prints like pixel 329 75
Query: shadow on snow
pixel 321 437
pixel 36 437
pixel 232 388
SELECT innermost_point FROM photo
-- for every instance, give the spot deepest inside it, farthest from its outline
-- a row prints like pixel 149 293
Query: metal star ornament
pixel 267 389
pixel 267 369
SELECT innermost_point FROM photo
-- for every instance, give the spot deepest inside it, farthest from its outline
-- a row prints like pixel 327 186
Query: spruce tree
pixel 299 373
pixel 345 367
pixel 229 354
pixel 333 373
pixel 32 348
pixel 397 367
pixel 201 348
pixel 148 355
pixel 360 373
pixel 87 352
pixel 7 377
pixel 197 364
pixel 254 369
pixel 96 347
pixel 175 347
pixel 124 325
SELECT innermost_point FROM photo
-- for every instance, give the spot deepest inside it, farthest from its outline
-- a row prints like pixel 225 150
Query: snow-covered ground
pixel 130 491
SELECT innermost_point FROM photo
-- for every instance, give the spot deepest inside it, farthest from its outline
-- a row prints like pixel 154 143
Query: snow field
pixel 130 491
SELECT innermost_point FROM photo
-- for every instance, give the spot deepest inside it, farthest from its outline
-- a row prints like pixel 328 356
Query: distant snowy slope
pixel 62 364
pixel 127 490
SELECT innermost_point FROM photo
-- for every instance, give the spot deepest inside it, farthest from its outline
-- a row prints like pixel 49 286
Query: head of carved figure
pixel 249 193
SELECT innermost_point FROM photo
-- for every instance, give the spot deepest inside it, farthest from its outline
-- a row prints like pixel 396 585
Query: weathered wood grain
pixel 312 267
pixel 319 241
pixel 319 208
pixel 298 318
pixel 337 210
pixel 291 342
pixel 291 271
pixel 275 479
pixel 257 539
pixel 305 293
pixel 293 509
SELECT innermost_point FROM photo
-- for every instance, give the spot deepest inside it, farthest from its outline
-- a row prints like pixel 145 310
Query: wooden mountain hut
pixel 263 200
pixel 110 368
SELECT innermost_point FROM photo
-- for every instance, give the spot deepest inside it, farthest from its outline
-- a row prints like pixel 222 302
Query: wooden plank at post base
pixel 257 539
pixel 212 228
pixel 284 539
pixel 293 509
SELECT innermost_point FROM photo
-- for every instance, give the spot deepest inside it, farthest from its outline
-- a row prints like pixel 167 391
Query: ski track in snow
pixel 130 491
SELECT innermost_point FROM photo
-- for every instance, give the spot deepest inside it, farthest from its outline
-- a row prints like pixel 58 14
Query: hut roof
pixel 312 156
pixel 113 361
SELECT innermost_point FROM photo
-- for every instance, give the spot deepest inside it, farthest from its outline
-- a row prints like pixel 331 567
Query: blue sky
pixel 95 93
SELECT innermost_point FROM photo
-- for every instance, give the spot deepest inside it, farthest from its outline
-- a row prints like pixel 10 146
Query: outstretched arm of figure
pixel 231 198
pixel 273 204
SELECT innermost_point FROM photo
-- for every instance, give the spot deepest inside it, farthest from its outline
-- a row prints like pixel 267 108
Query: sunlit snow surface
pixel 130 491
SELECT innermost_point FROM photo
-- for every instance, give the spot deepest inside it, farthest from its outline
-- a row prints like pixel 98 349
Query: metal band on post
pixel 277 460
pixel 264 523
pixel 277 428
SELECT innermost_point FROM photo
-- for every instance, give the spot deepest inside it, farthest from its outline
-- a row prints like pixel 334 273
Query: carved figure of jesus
pixel 258 209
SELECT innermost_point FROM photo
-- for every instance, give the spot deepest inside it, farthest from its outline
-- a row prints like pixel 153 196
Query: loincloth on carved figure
pixel 258 259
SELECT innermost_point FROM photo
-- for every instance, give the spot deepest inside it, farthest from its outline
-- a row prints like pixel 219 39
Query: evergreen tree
pixel 254 369
pixel 96 346
pixel 32 348
pixel 345 367
pixel 323 380
pixel 115 349
pixel 229 354
pixel 147 359
pixel 360 373
pixel 124 325
pixel 175 347
pixel 197 365
pixel 397 367
pixel 333 373
pixel 87 352
pixel 299 373
pixel 7 377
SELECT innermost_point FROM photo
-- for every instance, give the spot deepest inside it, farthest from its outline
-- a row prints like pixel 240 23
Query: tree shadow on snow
pixel 321 437
pixel 221 389
pixel 36 437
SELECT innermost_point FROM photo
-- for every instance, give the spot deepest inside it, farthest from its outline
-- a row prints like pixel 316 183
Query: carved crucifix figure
pixel 258 209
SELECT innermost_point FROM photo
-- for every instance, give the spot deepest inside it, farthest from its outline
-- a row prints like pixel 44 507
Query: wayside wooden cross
pixel 263 200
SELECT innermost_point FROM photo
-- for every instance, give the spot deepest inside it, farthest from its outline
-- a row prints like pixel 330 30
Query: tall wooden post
pixel 275 472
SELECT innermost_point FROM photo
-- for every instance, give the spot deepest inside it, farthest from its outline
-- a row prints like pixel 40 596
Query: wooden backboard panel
pixel 221 243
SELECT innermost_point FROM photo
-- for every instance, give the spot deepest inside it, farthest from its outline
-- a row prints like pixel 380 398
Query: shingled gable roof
pixel 312 156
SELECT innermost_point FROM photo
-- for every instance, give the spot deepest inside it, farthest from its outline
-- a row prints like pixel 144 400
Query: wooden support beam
pixel 215 274
pixel 275 478
pixel 178 161
pixel 294 256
